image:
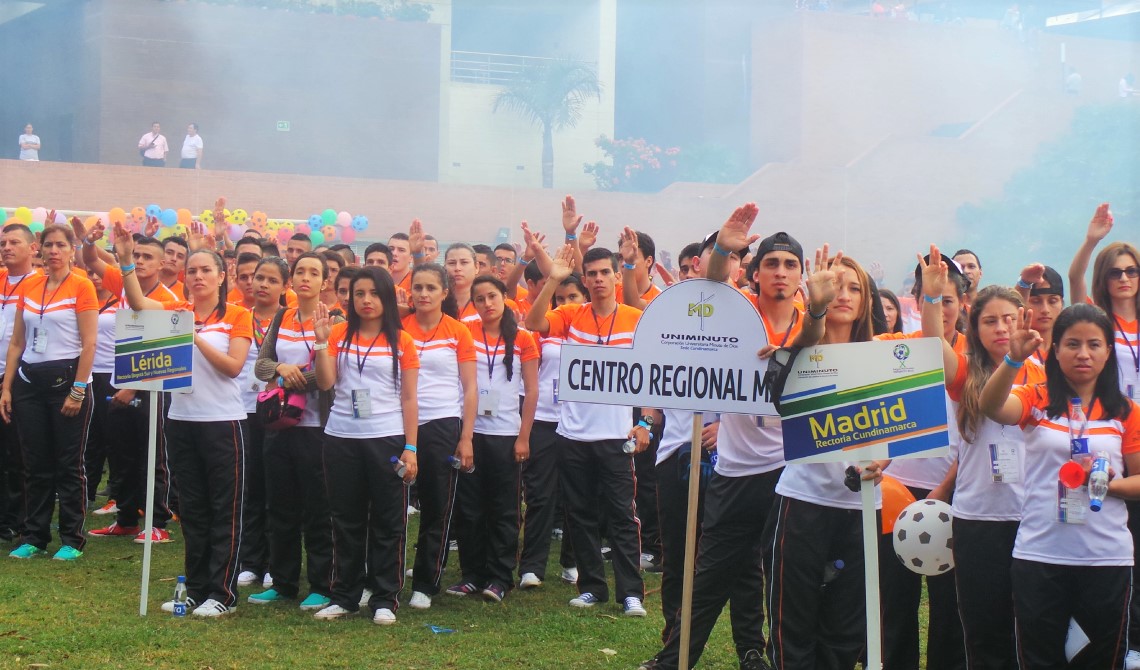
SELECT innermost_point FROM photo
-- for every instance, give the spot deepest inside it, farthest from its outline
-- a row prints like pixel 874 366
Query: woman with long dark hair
pixel 369 451
pixel 892 310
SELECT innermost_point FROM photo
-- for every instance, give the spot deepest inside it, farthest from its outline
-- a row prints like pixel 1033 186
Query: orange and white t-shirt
pixel 113 282
pixel 178 289
pixel 498 396
pixel 295 340
pixel 441 350
pixel 51 323
pixel 105 339
pixel 650 293
pixel 11 292
pixel 1104 539
pixel 587 422
pixel 216 396
pixel 367 401
pixel 1128 356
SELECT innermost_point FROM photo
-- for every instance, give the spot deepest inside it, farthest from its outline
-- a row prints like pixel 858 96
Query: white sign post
pixel 154 351
pixel 866 401
pixel 694 349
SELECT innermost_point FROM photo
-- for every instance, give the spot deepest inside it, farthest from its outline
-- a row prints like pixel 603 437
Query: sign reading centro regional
pixel 865 401
pixel 694 349
pixel 154 350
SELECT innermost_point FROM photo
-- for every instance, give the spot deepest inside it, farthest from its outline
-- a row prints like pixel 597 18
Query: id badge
pixel 1072 504
pixel 39 340
pixel 256 387
pixel 1079 446
pixel 1133 391
pixel 555 389
pixel 361 404
pixel 1004 464
pixel 488 403
pixel 767 422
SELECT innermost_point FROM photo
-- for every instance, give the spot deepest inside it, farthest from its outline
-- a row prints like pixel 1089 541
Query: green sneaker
pixel 27 551
pixel 315 601
pixel 266 597
pixel 66 553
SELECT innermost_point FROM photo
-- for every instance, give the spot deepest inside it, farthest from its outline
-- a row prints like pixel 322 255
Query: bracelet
pixel 628 266
pixel 418 255
pixel 87 242
pixel 127 268
pixel 524 262
pixel 410 447
pixel 642 424
pixel 932 301
pixel 77 397
pixel 570 237
pixel 80 385
pixel 817 317
pixel 1024 285
pixel 720 250
pixel 1012 363
pixel 320 346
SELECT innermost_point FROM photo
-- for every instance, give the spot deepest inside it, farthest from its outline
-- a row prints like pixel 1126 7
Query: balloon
pixel 343 219
pixel 348 235
pixel 24 215
pixel 360 223
pixel 258 220
pixel 924 537
pixel 60 219
pixel 164 233
pixel 328 217
pixel 39 215
pixel 895 499
pixel 236 233
pixel 288 225
pixel 169 217
pixel 184 217
pixel 117 215
pixel 132 226
pixel 139 215
pixel 91 222
pixel 315 222
pixel 36 226
pixel 207 216
pixel 304 228
pixel 329 233
pixel 240 216
pixel 179 230
pixel 11 220
pixel 271 227
pixel 153 211
pixel 283 236
pixel 317 238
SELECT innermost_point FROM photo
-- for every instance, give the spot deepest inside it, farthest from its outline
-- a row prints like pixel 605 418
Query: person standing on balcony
pixel 153 147
pixel 192 149
pixel 29 145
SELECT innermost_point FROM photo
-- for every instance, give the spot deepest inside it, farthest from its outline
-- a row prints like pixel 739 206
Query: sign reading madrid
pixel 694 349
pixel 154 350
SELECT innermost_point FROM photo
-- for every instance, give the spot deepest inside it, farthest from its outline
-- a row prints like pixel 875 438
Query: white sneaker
pixel 633 607
pixel 245 578
pixel 409 572
pixel 212 608
pixel 332 612
pixel 267 583
pixel 384 617
pixel 1132 660
pixel 530 581
pixel 365 596
pixel 168 606
pixel 411 512
pixel 570 575
pixel 419 601
pixel 584 600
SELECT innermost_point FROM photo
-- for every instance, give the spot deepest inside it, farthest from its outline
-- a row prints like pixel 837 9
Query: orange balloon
pixel 185 217
pixel 896 497
pixel 91 221
pixel 117 215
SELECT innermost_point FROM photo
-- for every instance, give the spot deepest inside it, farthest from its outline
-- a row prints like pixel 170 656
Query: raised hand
pixel 934 274
pixel 570 217
pixel 321 324
pixel 628 245
pixel 1101 224
pixel 78 229
pixel 151 226
pixel 666 276
pixel 220 211
pixel 563 264
pixel 734 235
pixel 875 271
pixel 532 243
pixel 822 279
pixel 588 236
pixel 1032 273
pixel 416 238
pixel 124 244
pixel 1024 340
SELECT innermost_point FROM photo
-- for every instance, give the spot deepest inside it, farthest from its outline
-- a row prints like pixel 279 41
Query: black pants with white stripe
pixel 436 483
pixel 1046 596
pixel 209 457
pixel 369 507
pixel 11 479
pixel 983 556
pixel 814 627
pixel 298 505
pixel 488 513
pixel 540 481
pixel 255 525
pixel 729 557
pixel 129 459
pixel 598 477
pixel 52 448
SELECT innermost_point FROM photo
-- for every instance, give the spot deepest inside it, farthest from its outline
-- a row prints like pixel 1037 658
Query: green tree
pixel 551 93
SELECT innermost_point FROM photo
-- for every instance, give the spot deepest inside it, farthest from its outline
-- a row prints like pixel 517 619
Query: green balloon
pixel 317 237
pixel 328 217
pixel 36 226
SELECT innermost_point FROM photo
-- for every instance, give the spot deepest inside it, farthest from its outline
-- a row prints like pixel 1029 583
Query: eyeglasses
pixel 1132 272
pixel 506 260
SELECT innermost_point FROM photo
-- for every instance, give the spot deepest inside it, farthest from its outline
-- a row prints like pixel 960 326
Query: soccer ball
pixel 923 538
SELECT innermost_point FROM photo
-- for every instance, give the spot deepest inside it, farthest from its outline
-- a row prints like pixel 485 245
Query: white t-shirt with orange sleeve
pixel 550 352
pixel 1128 356
pixel 11 291
pixel 498 396
pixel 440 350
pixel 54 314
pixel 364 369
pixel 216 396
pixel 295 340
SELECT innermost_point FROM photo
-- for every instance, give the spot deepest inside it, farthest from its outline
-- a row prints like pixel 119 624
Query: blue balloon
pixel 316 222
pixel 153 211
pixel 169 218
pixel 359 223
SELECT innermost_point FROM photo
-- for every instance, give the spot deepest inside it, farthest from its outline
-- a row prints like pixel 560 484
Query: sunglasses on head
pixel 1132 272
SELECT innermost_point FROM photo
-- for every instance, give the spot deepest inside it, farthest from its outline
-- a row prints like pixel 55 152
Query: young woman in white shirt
pixel 370 438
pixel 206 429
pixel 101 437
pixel 448 396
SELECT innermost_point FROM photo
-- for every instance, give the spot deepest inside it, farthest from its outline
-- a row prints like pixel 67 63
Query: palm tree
pixel 551 93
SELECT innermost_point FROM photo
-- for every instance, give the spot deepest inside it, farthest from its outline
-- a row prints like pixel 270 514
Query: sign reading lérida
pixel 154 350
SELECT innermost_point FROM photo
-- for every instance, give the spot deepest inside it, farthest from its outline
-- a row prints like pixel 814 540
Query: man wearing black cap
pixel 971 267
pixel 1044 292
pixel 750 459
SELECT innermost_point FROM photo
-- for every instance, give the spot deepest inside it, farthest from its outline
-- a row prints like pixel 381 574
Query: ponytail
pixel 508 325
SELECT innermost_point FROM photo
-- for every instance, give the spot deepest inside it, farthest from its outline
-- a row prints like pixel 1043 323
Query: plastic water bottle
pixel 1078 426
pixel 630 445
pixel 399 467
pixel 454 462
pixel 180 597
pixel 831 570
pixel 133 403
pixel 1098 481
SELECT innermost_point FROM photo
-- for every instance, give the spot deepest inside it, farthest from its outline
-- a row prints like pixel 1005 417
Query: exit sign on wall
pixel 283 126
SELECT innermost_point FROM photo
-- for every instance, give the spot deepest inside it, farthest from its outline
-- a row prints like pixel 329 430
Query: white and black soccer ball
pixel 924 539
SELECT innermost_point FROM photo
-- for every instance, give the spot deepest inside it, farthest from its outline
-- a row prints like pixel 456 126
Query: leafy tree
pixel 551 93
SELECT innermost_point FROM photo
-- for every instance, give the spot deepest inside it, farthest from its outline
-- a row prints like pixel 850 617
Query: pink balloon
pixel 39 215
pixel 344 219
pixel 60 218
pixel 329 233
pixel 283 236
pixel 131 225
pixel 348 235
pixel 303 228
pixel 236 232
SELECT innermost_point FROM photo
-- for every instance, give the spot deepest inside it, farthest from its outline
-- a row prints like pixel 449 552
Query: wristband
pixel 628 266
pixel 642 424
pixel 80 385
pixel 570 237
pixel 419 255
pixel 524 262
pixel 410 447
pixel 320 346
pixel 720 250
pixel 1024 285
pixel 817 317
pixel 1012 363
pixel 932 301
pixel 127 268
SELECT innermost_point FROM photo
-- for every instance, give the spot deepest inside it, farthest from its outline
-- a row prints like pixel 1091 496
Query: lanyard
pixel 43 304
pixel 1084 426
pixel 491 359
pixel 107 305
pixel 598 326
pixel 1135 351
pixel 259 330
pixel 9 294
pixel 788 332
pixel 430 338
pixel 304 335
pixel 361 360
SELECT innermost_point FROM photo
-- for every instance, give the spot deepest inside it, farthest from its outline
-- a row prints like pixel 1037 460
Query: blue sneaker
pixel 27 551
pixel 315 601
pixel 66 553
pixel 585 600
pixel 265 597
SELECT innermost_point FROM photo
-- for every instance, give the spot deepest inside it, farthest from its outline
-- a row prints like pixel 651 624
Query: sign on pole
pixel 866 401
pixel 154 351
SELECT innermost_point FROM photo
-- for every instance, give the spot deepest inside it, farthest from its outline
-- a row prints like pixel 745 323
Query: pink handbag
pixel 278 408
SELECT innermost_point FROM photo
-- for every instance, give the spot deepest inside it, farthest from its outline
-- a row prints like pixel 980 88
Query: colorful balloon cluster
pixel 34 219
pixel 330 225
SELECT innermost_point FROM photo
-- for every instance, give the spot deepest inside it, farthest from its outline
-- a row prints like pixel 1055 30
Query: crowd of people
pixel 402 369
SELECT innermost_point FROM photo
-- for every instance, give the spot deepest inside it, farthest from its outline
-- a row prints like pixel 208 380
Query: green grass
pixel 85 615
